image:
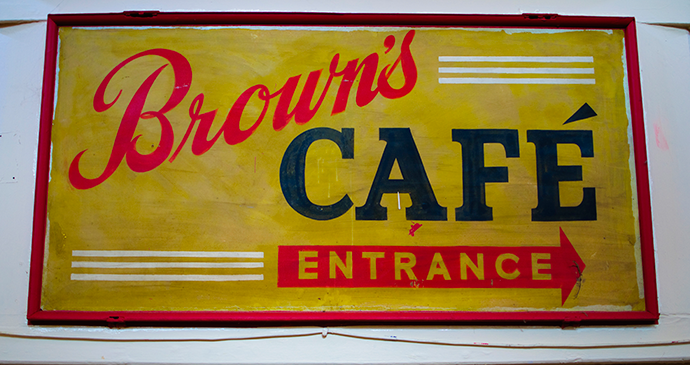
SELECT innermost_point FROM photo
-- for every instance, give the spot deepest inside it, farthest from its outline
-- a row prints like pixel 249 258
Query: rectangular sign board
pixel 292 167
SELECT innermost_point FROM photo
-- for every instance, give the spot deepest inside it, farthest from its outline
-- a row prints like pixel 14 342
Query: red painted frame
pixel 35 315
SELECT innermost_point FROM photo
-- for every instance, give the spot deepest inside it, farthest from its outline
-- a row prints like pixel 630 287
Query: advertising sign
pixel 341 170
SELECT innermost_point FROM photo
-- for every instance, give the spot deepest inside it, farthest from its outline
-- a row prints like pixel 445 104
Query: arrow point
pixel 573 267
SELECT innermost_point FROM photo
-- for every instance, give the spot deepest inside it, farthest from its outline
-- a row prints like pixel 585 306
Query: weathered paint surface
pixel 184 160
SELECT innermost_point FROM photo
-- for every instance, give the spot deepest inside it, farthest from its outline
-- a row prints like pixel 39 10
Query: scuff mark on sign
pixel 414 228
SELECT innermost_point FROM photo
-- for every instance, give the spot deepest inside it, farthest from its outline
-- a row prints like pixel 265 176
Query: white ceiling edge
pixel 659 11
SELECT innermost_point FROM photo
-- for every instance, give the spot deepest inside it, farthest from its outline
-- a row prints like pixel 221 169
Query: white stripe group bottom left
pixel 101 264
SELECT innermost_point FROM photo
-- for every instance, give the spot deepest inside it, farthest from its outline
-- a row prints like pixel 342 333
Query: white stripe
pixel 515 59
pixel 477 80
pixel 147 265
pixel 514 70
pixel 113 277
pixel 113 253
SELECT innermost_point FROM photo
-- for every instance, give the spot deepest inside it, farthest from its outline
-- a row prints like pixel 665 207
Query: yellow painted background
pixel 229 199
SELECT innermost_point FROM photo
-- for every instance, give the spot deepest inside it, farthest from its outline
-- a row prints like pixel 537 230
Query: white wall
pixel 665 63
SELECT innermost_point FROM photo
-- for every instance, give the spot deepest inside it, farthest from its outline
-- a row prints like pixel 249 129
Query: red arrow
pixel 571 267
pixel 432 266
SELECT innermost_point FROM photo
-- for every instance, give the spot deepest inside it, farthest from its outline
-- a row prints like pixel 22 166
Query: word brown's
pixel 124 147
